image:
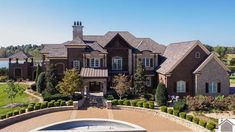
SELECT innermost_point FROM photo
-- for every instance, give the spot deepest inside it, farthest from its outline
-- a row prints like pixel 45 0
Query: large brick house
pixel 186 68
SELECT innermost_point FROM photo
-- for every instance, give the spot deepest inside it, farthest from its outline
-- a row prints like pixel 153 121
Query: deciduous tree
pixel 122 85
pixel 12 90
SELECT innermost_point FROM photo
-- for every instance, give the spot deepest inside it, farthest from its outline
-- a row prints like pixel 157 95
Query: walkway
pixel 149 121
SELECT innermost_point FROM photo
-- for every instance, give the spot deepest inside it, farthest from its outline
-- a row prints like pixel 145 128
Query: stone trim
pixel 194 127
pixel 14 119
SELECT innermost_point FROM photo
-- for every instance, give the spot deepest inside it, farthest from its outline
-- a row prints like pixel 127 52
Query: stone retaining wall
pixel 28 115
pixel 191 125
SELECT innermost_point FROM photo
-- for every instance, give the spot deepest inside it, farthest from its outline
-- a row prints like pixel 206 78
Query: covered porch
pixel 94 80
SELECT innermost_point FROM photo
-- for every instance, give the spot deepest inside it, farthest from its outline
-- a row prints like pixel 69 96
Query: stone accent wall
pixel 212 72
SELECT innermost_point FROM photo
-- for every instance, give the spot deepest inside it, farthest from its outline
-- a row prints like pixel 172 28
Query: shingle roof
pixel 91 72
pixel 97 47
pixel 173 54
pixel 55 50
pixel 76 41
pixel 20 55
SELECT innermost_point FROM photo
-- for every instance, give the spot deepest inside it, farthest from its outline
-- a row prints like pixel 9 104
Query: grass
pixel 4 100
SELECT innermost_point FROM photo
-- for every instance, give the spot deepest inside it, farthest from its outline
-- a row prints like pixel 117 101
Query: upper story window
pixel 181 87
pixel 95 62
pixel 148 81
pixel 146 62
pixel 117 63
pixel 197 55
pixel 76 64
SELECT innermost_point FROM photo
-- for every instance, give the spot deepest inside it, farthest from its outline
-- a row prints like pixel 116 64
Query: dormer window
pixel 95 62
pixel 197 55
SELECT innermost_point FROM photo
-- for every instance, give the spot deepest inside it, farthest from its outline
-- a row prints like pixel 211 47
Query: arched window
pixel 181 86
pixel 117 63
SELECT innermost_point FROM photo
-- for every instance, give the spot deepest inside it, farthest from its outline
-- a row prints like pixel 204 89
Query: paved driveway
pixel 147 120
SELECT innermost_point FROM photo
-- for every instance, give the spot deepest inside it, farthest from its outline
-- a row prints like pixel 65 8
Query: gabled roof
pixel 20 55
pixel 95 46
pixel 230 121
pixel 76 41
pixel 55 50
pixel 175 53
pixel 213 55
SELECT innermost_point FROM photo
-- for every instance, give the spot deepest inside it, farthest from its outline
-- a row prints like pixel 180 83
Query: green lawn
pixel 4 100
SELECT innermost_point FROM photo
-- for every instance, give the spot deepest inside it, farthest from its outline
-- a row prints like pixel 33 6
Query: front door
pixel 95 86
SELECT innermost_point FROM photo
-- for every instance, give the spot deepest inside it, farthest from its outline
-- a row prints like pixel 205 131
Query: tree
pixel 220 50
pixel 122 85
pixel 51 79
pixel 161 94
pixel 232 62
pixel 139 79
pixel 41 82
pixel 70 83
pixel 12 90
pixel 38 71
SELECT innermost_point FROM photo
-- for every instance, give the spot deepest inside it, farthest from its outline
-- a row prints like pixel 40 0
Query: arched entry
pixel 95 86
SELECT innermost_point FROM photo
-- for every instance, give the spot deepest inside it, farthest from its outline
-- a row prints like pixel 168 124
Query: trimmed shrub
pixel 30 108
pixel 56 103
pixel 50 104
pixel 196 120
pixel 202 123
pixel 3 78
pixel 189 117
pixel 33 87
pixel 180 105
pixel 16 112
pixel 62 103
pixel 9 114
pixel 151 104
pixel 31 104
pixel 48 97
pixel 44 105
pixel 140 103
pixel 127 102
pixel 37 106
pixel 3 117
pixel 120 102
pixel 170 111
pixel 182 115
pixel 176 112
pixel 22 110
pixel 146 105
pixel 110 97
pixel 210 126
pixel 134 103
pixel 115 102
pixel 70 102
pixel 163 108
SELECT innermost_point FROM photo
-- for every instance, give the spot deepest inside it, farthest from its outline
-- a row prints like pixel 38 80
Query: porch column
pixel 104 87
pixel 130 61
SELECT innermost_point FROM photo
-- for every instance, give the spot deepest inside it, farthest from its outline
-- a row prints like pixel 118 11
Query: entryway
pixel 95 86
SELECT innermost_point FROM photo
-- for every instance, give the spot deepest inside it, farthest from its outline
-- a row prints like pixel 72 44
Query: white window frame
pixel 213 87
pixel 76 64
pixel 197 55
pixel 95 62
pixel 117 60
pixel 181 86
pixel 148 81
pixel 147 62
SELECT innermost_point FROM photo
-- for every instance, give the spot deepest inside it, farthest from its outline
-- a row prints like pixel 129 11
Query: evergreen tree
pixel 70 83
pixel 38 71
pixel 51 79
pixel 161 94
pixel 41 82
pixel 139 79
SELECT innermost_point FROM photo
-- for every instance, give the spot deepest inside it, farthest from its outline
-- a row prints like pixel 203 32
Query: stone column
pixel 105 87
pixel 105 60
pixel 130 61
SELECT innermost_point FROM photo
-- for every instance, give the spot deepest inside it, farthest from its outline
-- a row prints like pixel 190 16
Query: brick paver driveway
pixel 147 120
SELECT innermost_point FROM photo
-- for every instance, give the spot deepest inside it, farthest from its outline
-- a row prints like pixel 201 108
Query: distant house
pixel 186 68
pixel 226 125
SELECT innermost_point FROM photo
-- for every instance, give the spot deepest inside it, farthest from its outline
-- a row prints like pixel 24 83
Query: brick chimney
pixel 78 30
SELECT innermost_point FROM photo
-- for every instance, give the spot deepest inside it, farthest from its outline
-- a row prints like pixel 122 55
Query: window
pixel 148 81
pixel 116 63
pixel 95 62
pixel 181 87
pixel 197 55
pixel 213 87
pixel 76 64
pixel 146 62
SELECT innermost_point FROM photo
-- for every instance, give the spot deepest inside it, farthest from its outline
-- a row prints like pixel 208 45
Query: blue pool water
pixel 4 64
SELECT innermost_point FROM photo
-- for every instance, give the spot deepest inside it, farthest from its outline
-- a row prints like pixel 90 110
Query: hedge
pixel 120 102
pixel 37 106
pixel 30 108
pixel 9 114
pixel 163 108
pixel 16 112
pixel 22 110
pixel 56 103
pixel 176 112
pixel 115 102
pixel 44 105
pixel 182 115
pixel 210 126
pixel 202 123
pixel 189 117
pixel 134 103
pixel 151 105
pixel 51 104
pixel 3 116
pixel 70 102
pixel 195 120
pixel 140 103
pixel 170 111
pixel 62 103
pixel 127 102
pixel 146 105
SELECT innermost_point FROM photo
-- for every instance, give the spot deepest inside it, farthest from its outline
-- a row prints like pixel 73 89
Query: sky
pixel 165 21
